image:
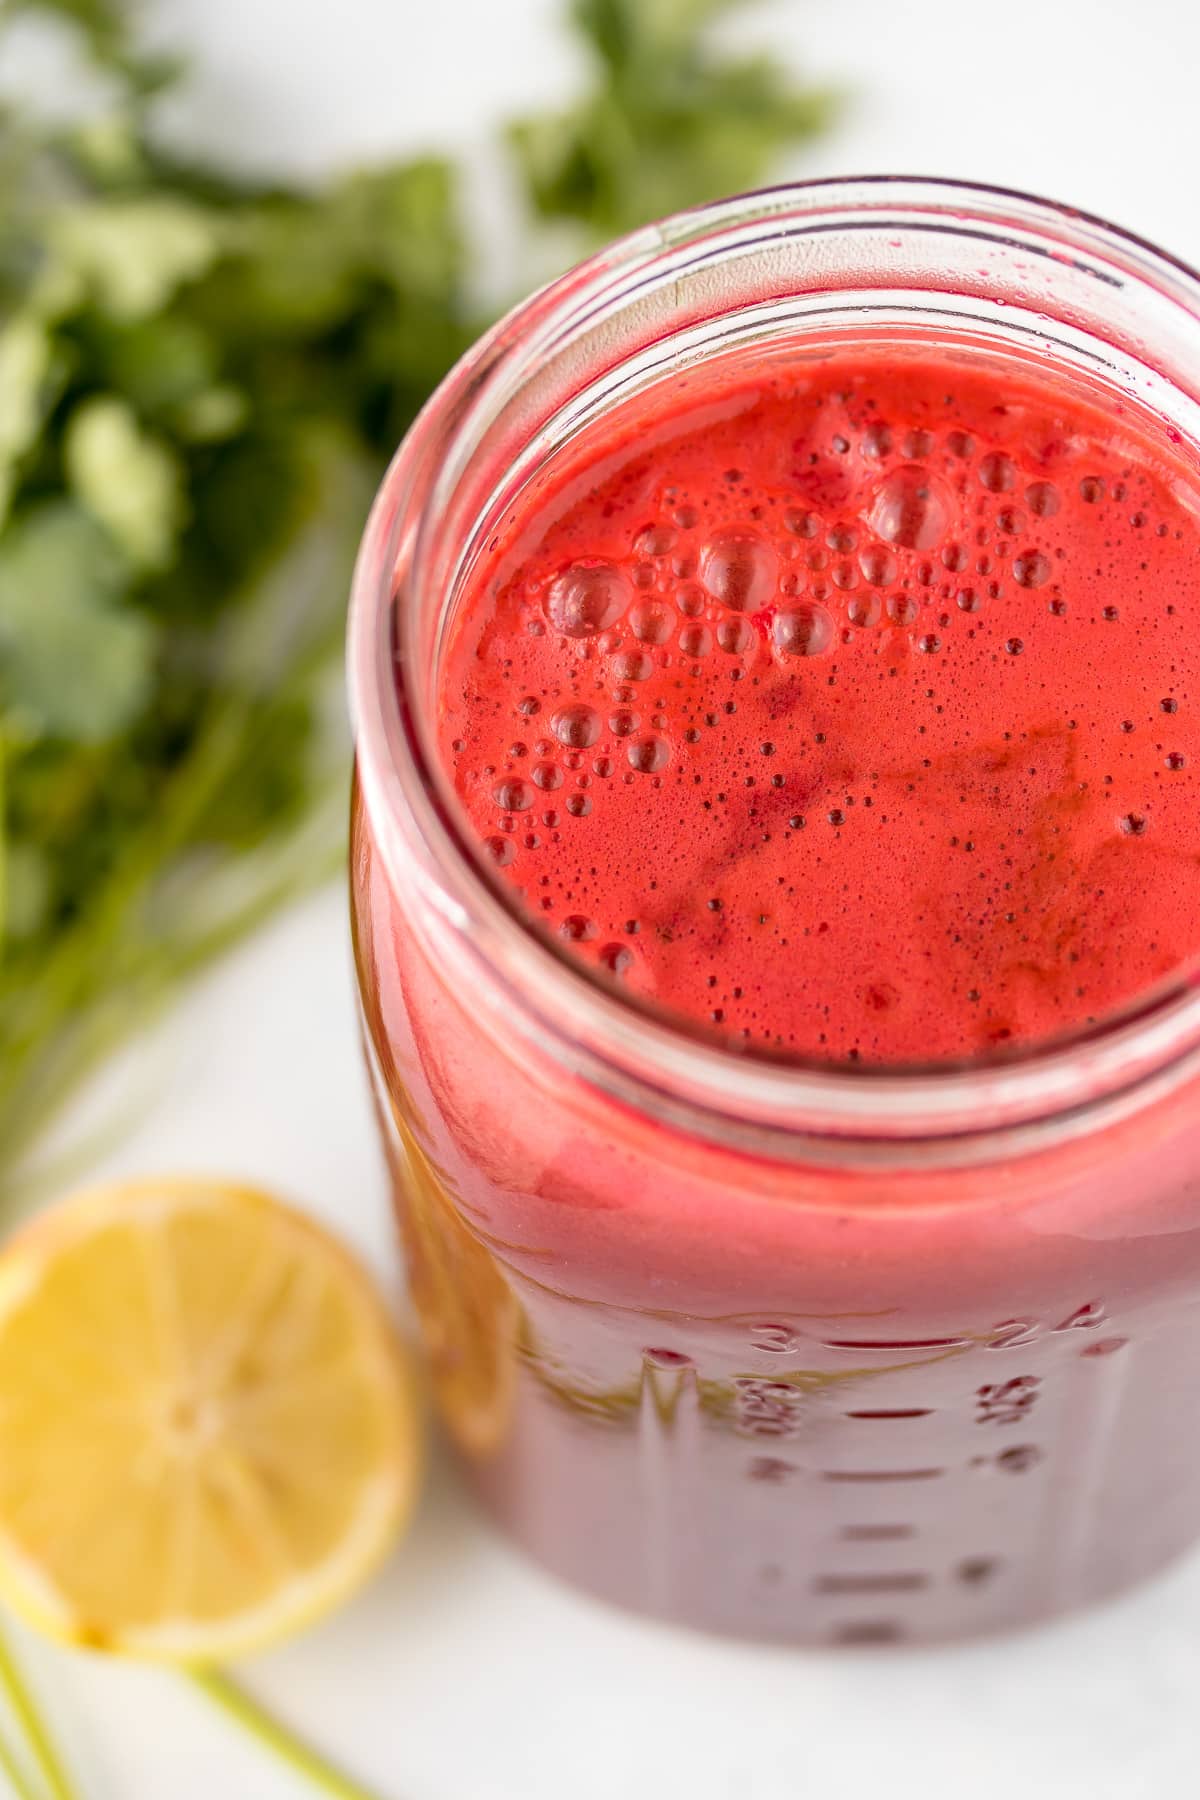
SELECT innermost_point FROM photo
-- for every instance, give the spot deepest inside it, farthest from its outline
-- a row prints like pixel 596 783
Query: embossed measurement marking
pixel 894 1412
pixel 977 1569
pixel 1006 1402
pixel 881 1474
pixel 903 1581
pixel 865 1632
pixel 890 1345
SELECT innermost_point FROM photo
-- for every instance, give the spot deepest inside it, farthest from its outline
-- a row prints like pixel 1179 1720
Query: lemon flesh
pixel 208 1432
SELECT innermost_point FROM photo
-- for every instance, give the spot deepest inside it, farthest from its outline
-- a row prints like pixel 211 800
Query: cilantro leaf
pixel 201 378
pixel 668 122
pixel 73 662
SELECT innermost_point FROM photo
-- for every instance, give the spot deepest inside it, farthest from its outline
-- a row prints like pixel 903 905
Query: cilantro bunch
pixel 201 378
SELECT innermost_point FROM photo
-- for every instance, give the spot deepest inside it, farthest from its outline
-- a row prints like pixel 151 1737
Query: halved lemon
pixel 209 1434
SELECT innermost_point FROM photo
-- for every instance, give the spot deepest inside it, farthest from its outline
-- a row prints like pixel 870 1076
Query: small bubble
pixel 967 600
pixel 1168 705
pixel 654 540
pixel 501 850
pixel 644 575
pixel 1014 645
pixel 513 795
pixel 651 622
pixel 648 755
pixel 917 443
pixel 930 643
pixel 841 537
pixel 911 508
pixel 801 524
pixel 623 723
pixel 845 576
pixel 902 609
pixel 877 564
pixel 1010 519
pixel 877 440
pixel 1031 569
pixel 864 610
pixel 960 444
pixel 1058 607
pixel 739 570
pixel 578 727
pixel 577 928
pixel 603 766
pixel 998 472
pixel 690 600
pixel 955 558
pixel 805 630
pixel 578 805
pixel 587 597
pixel 1091 489
pixel 1175 759
pixel 685 517
pixel 735 636
pixel 1042 499
pixel 695 640
pixel 547 776
pixel 615 958
pixel 529 706
pixel 836 816
pixel 632 665
pixel 1111 613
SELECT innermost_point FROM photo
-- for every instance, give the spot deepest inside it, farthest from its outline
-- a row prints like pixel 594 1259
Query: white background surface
pixel 463 1674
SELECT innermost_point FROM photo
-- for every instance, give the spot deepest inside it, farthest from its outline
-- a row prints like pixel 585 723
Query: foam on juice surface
pixel 848 706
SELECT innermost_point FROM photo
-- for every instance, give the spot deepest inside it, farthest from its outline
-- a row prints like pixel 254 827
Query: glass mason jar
pixel 844 1357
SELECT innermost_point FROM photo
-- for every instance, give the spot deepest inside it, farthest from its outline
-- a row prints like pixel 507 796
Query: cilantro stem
pixel 3 838
pixel 37 1733
pixel 18 1780
pixel 274 1737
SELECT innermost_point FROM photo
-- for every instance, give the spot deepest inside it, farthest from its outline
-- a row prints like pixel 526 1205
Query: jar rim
pixel 658 1063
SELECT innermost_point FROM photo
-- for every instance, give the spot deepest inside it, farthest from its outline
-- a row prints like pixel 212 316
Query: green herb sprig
pixel 201 377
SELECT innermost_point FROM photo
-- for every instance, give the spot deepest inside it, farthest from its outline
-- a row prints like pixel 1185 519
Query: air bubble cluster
pixel 867 648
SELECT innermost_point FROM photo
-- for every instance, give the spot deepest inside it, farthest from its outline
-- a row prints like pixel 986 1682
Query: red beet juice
pixel 829 710
pixel 848 710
